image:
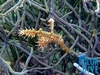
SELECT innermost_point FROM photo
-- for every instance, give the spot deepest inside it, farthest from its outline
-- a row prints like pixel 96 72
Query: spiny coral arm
pixel 40 32
pixel 26 32
pixel 51 37
pixel 64 47
pixel 56 38
pixel 51 24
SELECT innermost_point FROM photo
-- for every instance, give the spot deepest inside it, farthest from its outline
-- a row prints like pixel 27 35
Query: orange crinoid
pixel 46 37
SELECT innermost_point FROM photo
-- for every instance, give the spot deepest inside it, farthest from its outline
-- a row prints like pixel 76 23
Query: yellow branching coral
pixel 46 37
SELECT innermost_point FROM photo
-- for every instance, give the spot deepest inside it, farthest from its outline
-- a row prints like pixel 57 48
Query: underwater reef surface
pixel 49 37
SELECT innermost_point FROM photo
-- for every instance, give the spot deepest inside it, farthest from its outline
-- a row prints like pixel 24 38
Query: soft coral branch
pixel 23 72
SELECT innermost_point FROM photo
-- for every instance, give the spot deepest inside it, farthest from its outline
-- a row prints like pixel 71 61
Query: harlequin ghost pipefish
pixel 46 37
